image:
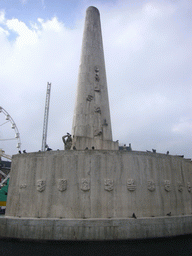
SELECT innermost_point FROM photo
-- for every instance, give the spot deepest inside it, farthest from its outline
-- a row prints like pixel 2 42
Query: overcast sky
pixel 148 57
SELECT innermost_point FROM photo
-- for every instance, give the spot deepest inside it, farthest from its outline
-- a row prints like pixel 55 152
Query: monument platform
pixel 98 195
pixel 94 229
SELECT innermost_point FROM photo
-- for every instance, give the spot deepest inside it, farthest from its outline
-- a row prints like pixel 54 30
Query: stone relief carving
pixel 97 78
pixel 41 185
pixel 96 69
pixel 131 185
pixel 108 184
pixel 167 185
pixel 89 98
pixel 23 185
pixel 105 122
pixel 97 88
pixel 180 187
pixel 98 110
pixel 97 132
pixel 151 185
pixel 85 184
pixel 189 186
pixel 62 185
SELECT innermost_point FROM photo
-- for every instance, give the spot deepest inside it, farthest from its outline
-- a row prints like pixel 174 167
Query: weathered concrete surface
pixel 94 229
pixel 91 122
pixel 99 184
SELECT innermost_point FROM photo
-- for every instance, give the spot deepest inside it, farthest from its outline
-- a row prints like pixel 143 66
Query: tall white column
pixel 91 121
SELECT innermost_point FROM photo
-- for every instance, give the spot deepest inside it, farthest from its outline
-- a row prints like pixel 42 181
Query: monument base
pixel 94 229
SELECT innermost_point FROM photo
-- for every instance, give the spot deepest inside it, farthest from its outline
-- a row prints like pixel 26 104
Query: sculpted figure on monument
pixel 67 140
pixel 97 132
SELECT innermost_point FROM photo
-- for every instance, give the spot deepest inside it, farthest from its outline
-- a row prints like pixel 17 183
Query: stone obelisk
pixel 91 122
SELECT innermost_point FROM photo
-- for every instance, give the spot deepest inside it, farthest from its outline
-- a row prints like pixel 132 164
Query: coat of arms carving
pixel 62 185
pixel 108 184
pixel 85 184
pixel 189 186
pixel 131 185
pixel 180 187
pixel 23 185
pixel 151 185
pixel 41 185
pixel 167 185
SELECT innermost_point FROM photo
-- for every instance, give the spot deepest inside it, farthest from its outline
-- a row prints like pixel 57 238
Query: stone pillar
pixel 91 122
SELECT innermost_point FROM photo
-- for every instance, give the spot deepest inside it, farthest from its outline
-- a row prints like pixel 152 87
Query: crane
pixel 46 114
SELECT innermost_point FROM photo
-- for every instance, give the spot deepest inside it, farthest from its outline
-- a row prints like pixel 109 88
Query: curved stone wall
pixel 94 229
pixel 99 184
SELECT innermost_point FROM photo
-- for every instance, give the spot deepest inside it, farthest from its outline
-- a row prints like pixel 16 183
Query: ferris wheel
pixel 5 170
pixel 9 119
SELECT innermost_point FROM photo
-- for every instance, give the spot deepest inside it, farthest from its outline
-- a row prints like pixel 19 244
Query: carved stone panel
pixel 85 184
pixel 180 187
pixel 151 185
pixel 41 185
pixel 131 185
pixel 62 185
pixel 108 184
pixel 189 186
pixel 167 185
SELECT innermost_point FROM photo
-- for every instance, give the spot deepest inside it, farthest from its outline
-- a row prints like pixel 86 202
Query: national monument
pixel 94 191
